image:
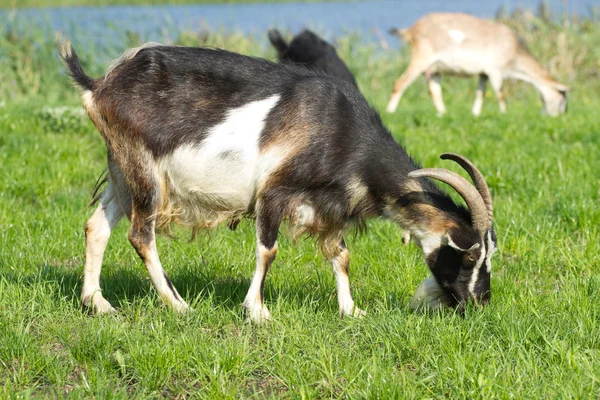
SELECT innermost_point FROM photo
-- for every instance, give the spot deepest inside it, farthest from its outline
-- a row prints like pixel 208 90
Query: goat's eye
pixel 471 258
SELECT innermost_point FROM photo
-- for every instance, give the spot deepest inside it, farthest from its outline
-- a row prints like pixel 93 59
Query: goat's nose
pixel 484 299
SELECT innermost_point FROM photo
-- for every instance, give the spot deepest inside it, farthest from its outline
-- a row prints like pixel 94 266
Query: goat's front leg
pixel 479 95
pixel 339 256
pixel 435 91
pixel 496 82
pixel 268 219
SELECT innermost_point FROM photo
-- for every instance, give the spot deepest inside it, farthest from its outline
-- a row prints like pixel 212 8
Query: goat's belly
pixel 204 186
pixel 221 180
pixel 459 64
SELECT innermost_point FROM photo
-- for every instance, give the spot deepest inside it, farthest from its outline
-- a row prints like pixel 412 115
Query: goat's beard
pixel 429 296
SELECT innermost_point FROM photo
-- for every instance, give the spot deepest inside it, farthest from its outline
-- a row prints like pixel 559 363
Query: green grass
pixel 539 337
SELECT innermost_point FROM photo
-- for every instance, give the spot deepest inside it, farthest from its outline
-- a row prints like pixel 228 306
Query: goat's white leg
pixel 496 82
pixel 435 90
pixel 97 232
pixel 406 79
pixel 142 237
pixel 479 95
pixel 268 219
pixel 339 256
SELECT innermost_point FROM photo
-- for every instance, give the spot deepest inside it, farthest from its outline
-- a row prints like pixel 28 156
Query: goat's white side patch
pixel 222 172
pixel 457 36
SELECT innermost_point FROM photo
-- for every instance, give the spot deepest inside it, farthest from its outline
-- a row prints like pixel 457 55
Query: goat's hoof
pixel 182 307
pixel 100 307
pixel 97 304
pixel 258 314
pixel 353 312
pixel 358 313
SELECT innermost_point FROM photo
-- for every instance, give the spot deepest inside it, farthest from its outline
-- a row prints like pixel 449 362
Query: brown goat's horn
pixel 477 178
pixel 479 214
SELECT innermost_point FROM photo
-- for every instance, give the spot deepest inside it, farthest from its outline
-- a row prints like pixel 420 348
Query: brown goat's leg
pixel 268 219
pixel 496 83
pixel 339 256
pixel 97 232
pixel 435 90
pixel 142 237
pixel 479 95
pixel 415 68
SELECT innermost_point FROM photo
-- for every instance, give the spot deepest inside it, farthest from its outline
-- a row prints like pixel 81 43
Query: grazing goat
pixel 460 44
pixel 311 51
pixel 198 136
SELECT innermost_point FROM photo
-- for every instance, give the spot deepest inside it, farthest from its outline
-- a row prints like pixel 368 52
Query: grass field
pixel 539 337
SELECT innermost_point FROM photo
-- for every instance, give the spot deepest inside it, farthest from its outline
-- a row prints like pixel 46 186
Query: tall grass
pixel 569 49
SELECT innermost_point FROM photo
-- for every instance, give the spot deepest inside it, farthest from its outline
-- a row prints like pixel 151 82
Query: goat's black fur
pixel 311 51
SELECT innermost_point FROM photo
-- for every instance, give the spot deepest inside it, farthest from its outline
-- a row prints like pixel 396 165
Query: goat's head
pixel 554 97
pixel 460 257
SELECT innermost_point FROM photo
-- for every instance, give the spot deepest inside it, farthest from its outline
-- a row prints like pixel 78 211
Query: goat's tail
pixel 277 41
pixel 403 34
pixel 71 61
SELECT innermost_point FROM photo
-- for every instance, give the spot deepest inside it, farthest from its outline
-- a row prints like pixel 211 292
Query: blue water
pixel 159 23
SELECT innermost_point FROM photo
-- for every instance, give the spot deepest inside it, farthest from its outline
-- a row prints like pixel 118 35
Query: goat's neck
pixel 423 217
pixel 526 68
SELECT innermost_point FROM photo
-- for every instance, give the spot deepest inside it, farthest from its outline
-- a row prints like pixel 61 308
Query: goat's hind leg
pixel 145 197
pixel 97 232
pixel 419 63
pixel 143 238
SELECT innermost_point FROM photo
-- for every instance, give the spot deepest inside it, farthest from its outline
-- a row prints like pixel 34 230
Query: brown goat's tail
pixel 277 41
pixel 403 34
pixel 71 61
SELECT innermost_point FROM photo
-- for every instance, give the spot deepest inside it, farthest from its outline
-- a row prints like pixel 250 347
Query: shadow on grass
pixel 123 285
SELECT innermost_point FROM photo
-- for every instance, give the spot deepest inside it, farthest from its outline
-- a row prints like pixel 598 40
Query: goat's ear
pixel 464 250
pixel 461 241
pixel 564 89
pixel 277 41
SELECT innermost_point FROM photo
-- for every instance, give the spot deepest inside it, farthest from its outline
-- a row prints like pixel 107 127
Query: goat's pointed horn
pixel 477 178
pixel 479 214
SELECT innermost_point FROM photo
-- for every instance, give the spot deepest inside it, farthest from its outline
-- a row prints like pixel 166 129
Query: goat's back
pixel 450 31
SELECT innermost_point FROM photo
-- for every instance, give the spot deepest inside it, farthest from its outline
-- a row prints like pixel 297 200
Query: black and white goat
pixel 311 51
pixel 198 136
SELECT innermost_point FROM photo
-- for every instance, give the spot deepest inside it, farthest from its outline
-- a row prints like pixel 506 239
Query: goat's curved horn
pixel 477 178
pixel 479 214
